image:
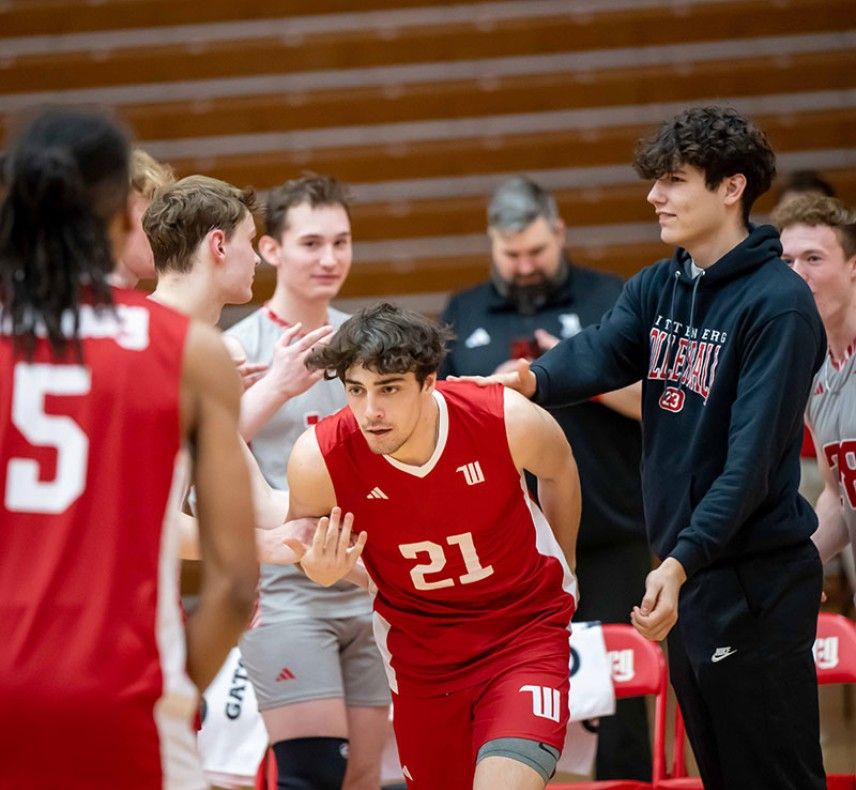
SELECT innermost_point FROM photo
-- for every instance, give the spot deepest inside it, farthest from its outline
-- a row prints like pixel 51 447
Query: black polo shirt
pixel 607 446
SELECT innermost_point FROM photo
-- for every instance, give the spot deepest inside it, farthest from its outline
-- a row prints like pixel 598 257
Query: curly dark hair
pixel 387 339
pixel 717 140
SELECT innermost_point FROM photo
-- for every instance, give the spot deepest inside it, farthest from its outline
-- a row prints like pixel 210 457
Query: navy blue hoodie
pixel 726 360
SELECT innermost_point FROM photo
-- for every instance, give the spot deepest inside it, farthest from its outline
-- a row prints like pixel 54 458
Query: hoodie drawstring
pixel 696 281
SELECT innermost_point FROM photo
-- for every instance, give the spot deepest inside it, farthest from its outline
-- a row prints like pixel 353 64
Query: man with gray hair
pixel 535 296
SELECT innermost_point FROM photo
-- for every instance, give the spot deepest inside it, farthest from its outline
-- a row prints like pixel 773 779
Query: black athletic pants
pixel 612 582
pixel 741 664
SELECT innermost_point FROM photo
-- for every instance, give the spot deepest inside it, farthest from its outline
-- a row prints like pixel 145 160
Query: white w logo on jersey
pixel 472 473
pixel 545 701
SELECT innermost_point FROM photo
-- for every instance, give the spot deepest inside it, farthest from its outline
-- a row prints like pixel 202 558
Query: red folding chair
pixel 638 668
pixel 835 660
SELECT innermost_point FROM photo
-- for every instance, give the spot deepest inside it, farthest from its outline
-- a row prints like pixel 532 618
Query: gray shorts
pixel 312 658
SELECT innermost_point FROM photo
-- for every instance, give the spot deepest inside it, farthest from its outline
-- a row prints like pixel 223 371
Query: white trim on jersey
pixel 442 436
pixel 381 628
pixel 546 543
pixel 174 710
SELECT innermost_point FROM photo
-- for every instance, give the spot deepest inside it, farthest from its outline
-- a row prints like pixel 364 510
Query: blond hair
pixel 813 210
pixel 147 174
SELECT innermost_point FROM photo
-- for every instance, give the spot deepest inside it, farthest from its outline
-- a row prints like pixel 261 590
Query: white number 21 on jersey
pixel 437 556
pixel 25 492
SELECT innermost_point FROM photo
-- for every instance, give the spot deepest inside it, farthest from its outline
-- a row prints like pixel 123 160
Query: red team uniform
pixel 472 595
pixel 93 689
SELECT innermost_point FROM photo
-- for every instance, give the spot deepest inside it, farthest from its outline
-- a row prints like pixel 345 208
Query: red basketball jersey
pixel 92 658
pixel 466 569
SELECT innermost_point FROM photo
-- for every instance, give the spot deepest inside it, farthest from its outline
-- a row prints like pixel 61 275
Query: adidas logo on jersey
pixel 285 674
pixel 376 493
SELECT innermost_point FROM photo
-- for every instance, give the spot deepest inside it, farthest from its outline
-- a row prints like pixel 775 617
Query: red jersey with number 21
pixel 92 677
pixel 466 573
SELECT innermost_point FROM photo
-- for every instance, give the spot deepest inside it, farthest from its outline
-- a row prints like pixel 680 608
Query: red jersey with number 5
pixel 466 573
pixel 92 658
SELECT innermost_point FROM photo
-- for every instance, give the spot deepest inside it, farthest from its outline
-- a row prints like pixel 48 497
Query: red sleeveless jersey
pixel 92 640
pixel 465 570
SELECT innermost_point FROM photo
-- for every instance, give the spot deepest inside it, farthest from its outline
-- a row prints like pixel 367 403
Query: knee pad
pixel 540 757
pixel 311 763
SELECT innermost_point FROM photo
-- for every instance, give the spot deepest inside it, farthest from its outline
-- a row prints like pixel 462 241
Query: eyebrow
pixel 312 235
pixel 380 383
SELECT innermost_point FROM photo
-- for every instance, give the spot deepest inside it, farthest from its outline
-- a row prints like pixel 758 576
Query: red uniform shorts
pixel 439 735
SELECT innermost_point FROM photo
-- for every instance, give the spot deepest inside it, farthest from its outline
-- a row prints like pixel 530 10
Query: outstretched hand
pixel 288 369
pixel 658 612
pixel 519 378
pixel 330 557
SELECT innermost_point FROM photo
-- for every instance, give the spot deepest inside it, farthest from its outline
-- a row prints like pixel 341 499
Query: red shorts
pixel 439 736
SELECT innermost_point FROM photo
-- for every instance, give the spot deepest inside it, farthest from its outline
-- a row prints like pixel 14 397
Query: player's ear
pixel 430 381
pixel 216 243
pixel 269 249
pixel 734 188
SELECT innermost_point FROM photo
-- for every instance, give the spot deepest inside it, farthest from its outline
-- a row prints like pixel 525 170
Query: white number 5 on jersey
pixel 25 492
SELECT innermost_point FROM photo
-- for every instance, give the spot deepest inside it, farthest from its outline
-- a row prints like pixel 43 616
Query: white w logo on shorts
pixel 545 701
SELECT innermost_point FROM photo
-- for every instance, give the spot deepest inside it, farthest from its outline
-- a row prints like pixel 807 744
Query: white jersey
pixel 285 591
pixel 831 415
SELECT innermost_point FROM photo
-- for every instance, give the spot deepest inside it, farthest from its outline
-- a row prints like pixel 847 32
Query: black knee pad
pixel 311 763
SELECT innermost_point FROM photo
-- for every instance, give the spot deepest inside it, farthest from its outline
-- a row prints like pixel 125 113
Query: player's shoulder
pixel 208 366
pixel 334 430
pixel 127 300
pixel 468 398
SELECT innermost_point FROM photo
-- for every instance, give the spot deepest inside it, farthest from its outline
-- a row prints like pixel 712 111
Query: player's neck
pixel 841 331
pixel 185 293
pixel 291 308
pixel 124 277
pixel 419 448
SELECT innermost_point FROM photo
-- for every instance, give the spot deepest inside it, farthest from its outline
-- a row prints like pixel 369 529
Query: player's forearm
pixel 359 576
pixel 560 500
pixel 258 404
pixel 214 628
pixel 831 535
pixel 269 506
pixel 626 401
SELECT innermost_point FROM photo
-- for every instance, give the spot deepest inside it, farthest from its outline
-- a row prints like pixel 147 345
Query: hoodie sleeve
pixel 765 418
pixel 601 358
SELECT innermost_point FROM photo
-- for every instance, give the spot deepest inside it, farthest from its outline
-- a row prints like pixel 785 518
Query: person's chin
pixel 671 237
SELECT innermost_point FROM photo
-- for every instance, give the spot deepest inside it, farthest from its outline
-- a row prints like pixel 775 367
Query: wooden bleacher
pixel 424 105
